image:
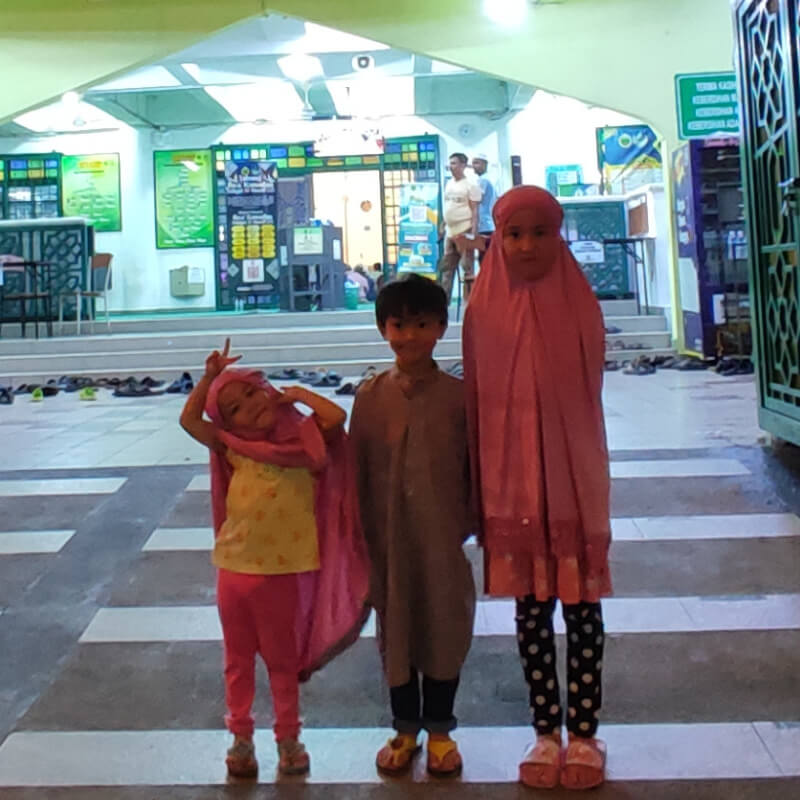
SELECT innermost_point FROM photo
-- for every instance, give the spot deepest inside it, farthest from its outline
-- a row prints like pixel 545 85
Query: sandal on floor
pixel 584 765
pixel 444 760
pixel 241 759
pixel 396 756
pixel 292 757
pixel 541 767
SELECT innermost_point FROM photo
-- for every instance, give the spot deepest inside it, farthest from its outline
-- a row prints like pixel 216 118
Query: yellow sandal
pixel 444 760
pixel 396 756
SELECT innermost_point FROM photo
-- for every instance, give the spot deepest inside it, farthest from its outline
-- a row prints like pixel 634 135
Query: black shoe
pixel 182 385
pixel 6 396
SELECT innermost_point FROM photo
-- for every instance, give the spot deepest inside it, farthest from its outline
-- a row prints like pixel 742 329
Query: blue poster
pixel 628 156
pixel 418 236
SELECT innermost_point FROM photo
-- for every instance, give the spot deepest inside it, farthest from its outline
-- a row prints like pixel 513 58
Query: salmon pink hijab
pixel 533 367
pixel 332 607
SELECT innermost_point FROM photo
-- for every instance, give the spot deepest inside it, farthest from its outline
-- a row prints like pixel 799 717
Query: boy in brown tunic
pixel 409 432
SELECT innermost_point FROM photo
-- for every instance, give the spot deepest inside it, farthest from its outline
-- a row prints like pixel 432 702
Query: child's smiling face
pixel 243 405
pixel 531 245
pixel 413 338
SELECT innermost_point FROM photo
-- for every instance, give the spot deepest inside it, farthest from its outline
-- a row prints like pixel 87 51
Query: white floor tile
pixel 32 542
pixel 180 539
pixel 782 739
pixel 343 755
pixel 200 483
pixel 678 468
pixel 492 618
pixel 723 526
pixel 60 486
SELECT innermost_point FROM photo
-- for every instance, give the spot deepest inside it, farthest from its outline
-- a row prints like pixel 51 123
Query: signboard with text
pixel 707 105
pixel 90 189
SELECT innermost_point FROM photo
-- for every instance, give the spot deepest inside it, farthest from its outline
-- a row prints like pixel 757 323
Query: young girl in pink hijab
pixel 292 573
pixel 534 348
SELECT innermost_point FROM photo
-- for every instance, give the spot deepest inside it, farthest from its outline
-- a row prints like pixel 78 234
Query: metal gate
pixel 768 39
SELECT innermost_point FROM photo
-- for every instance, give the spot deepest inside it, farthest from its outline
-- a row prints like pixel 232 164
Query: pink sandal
pixel 541 767
pixel 584 765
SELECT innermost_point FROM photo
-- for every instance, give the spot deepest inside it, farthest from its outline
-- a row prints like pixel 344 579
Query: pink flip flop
pixel 584 764
pixel 541 767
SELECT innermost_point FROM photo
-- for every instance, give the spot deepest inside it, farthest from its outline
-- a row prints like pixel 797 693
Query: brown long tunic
pixel 413 477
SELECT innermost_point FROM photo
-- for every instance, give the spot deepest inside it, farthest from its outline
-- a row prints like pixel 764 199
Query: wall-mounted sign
pixel 628 156
pixel 90 188
pixel 707 105
pixel 184 199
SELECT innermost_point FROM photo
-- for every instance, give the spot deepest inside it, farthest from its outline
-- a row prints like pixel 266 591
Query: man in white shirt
pixel 462 197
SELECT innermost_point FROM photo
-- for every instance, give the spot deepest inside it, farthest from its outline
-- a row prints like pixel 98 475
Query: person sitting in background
pixel 371 293
pixel 354 276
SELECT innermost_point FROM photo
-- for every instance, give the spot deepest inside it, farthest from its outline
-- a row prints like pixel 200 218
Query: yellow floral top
pixel 270 526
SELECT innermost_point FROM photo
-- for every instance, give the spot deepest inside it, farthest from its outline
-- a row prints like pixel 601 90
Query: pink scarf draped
pixel 533 367
pixel 333 600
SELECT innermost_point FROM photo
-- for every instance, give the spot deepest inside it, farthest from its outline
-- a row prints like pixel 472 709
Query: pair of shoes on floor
pixel 242 763
pixel 351 387
pixel 640 366
pixel 547 764
pixel 731 365
pixel 321 379
pixel 182 385
pixel 397 756
pixel 135 388
pixel 6 396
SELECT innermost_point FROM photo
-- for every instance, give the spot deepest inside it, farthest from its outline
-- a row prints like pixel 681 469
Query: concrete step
pixel 243 338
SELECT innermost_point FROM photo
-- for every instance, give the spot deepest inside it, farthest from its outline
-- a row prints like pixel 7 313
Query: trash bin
pixel 351 291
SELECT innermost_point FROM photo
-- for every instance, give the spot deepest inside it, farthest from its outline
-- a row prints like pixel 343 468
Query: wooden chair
pixel 99 286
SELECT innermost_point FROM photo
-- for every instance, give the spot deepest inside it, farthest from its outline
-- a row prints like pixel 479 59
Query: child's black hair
pixel 410 295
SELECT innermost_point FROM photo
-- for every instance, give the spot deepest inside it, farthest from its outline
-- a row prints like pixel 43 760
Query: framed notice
pixel 308 241
pixel 183 198
pixel 90 188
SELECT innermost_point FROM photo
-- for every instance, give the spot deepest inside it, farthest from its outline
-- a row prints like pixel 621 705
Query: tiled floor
pixel 110 679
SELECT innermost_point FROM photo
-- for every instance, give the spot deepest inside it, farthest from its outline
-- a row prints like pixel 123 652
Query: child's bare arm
pixel 192 415
pixel 327 414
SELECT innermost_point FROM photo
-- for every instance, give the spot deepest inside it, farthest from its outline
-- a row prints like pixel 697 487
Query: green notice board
pixel 90 188
pixel 707 105
pixel 184 199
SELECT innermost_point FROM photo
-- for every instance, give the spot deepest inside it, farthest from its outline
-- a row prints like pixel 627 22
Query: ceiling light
pixel 300 67
pixel 70 100
pixel 68 116
pixel 506 13
pixel 270 99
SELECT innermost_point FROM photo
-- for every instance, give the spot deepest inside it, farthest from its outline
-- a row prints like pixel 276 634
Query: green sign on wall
pixel 90 188
pixel 707 105
pixel 184 199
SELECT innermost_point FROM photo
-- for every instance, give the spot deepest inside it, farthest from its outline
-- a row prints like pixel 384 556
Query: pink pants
pixel 257 613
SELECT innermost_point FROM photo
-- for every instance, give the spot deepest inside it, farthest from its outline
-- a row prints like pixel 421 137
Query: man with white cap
pixel 480 164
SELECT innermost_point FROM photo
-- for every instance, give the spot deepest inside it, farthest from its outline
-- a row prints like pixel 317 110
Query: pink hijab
pixel 332 608
pixel 533 367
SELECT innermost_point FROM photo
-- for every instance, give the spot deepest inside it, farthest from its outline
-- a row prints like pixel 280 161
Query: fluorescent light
pixel 70 100
pixel 506 13
pixel 300 67
pixel 319 39
pixel 443 68
pixel 270 99
pixel 372 97
pixel 148 78
pixel 69 116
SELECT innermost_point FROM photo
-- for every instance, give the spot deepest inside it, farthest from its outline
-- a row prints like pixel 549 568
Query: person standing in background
pixel 480 163
pixel 462 196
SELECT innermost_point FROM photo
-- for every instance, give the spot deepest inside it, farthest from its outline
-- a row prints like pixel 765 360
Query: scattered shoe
pixel 241 759
pixel 613 329
pixel 640 366
pixel 37 395
pixel 611 366
pixel 182 385
pixel 690 364
pixel 132 388
pixel 87 393
pixel 6 396
pixel 152 382
pixel 326 380
pixel 283 375
pixel 348 388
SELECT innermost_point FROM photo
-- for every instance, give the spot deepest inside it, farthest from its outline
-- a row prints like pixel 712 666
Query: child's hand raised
pixel 217 361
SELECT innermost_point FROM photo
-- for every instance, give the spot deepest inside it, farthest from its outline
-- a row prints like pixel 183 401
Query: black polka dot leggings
pixel 537 649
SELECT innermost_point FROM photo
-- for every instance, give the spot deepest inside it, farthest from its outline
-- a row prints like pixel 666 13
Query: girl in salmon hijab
pixel 534 348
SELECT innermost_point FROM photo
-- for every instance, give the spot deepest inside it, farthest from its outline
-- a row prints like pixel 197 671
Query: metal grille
pixel 768 41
